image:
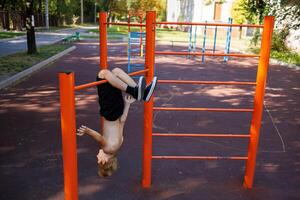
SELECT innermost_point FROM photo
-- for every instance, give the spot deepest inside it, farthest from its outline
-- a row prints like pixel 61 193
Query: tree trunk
pixel 7 22
pixel 47 14
pixel 31 45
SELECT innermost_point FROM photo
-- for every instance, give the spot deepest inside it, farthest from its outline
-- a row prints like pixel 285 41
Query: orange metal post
pixel 103 48
pixel 259 100
pixel 148 107
pixel 68 129
pixel 103 40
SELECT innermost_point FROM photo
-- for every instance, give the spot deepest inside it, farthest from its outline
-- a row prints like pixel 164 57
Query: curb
pixel 26 72
pixel 14 38
pixel 274 61
pixel 278 62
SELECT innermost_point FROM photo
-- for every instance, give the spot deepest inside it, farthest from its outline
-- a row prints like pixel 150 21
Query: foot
pixel 149 89
pixel 140 89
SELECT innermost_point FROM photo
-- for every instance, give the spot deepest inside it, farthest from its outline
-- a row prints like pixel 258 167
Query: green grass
pixel 287 56
pixel 18 62
pixel 8 34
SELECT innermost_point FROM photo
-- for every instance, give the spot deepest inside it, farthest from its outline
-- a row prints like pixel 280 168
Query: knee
pixel 117 71
pixel 103 73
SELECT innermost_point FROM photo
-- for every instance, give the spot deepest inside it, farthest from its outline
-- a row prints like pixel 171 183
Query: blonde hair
pixel 108 168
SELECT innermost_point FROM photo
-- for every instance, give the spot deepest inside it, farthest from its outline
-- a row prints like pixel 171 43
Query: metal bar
pixel 215 39
pixel 201 157
pixel 124 24
pixel 204 109
pixel 148 106
pixel 206 54
pixel 261 78
pixel 68 130
pixel 92 84
pixel 195 41
pixel 190 40
pixel 206 82
pixel 211 24
pixel 204 42
pixel 103 40
pixel 201 135
pixel 228 39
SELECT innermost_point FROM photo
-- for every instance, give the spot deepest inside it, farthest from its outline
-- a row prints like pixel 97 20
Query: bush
pixel 278 40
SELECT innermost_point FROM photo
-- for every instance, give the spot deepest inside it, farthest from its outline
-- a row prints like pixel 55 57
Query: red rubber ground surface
pixel 30 142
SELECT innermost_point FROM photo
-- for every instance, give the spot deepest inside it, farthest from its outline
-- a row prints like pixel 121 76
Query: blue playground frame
pixel 193 44
pixel 135 48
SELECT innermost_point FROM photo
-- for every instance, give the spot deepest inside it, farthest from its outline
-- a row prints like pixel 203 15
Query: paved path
pixel 42 38
pixel 30 139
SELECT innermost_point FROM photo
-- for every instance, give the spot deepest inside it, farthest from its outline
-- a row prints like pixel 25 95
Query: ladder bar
pixel 204 54
pixel 201 135
pixel 212 24
pixel 204 109
pixel 83 86
pixel 125 24
pixel 206 82
pixel 201 157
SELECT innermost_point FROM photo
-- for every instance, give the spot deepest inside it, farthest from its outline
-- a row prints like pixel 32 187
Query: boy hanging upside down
pixel 115 111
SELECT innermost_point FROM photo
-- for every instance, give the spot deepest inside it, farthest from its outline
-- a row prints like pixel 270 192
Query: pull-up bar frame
pixel 68 115
pixel 256 111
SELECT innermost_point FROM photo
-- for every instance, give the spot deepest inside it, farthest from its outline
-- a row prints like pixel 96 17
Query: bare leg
pixel 112 79
pixel 124 77
pixel 94 134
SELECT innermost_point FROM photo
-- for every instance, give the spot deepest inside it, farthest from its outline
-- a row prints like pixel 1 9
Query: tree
pixel 287 13
pixel 31 44
pixel 145 5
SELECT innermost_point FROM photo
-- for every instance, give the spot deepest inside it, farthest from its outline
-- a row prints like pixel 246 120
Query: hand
pixel 102 157
pixel 82 130
pixel 129 99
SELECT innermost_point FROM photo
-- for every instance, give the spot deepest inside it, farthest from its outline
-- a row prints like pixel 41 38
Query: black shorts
pixel 110 100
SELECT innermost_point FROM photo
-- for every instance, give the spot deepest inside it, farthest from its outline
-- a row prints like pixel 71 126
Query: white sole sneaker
pixel 153 85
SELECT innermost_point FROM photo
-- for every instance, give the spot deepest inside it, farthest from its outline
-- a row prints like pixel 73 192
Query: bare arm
pixel 128 100
pixel 94 134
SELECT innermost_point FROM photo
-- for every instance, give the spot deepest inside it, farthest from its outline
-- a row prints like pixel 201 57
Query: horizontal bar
pixel 205 109
pixel 124 24
pixel 205 54
pixel 201 157
pixel 79 87
pixel 202 135
pixel 211 24
pixel 206 82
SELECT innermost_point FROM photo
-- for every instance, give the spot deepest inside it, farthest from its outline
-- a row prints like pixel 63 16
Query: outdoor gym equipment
pixel 135 48
pixel 228 40
pixel 68 116
pixel 193 44
pixel 192 39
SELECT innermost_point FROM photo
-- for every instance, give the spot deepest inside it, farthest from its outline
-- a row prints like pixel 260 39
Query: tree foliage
pixel 286 12
pixel 146 5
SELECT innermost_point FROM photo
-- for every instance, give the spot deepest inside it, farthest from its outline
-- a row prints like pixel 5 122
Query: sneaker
pixel 149 89
pixel 140 88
